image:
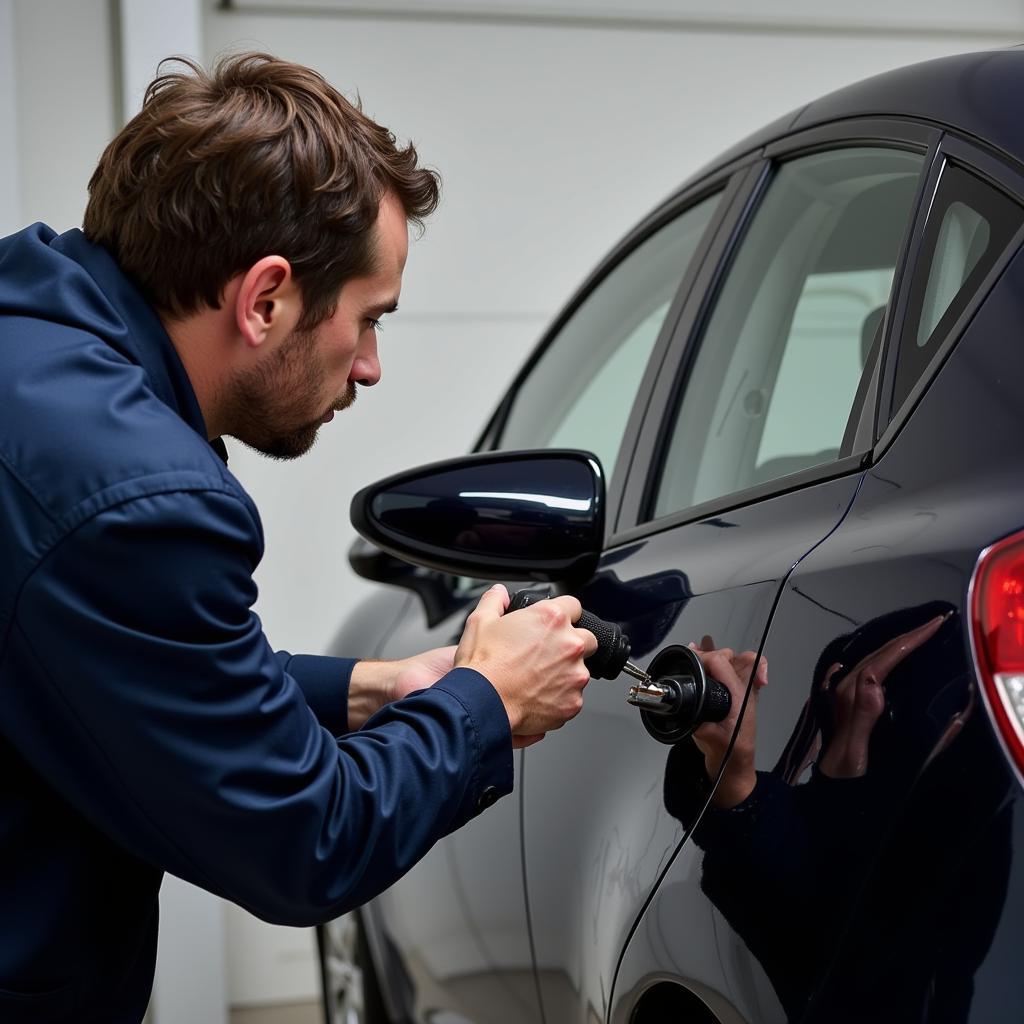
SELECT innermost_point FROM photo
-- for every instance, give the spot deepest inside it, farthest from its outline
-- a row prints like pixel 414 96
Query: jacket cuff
pixel 324 683
pixel 488 721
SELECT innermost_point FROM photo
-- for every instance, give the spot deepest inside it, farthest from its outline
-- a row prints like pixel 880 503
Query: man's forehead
pixel 379 289
pixel 391 233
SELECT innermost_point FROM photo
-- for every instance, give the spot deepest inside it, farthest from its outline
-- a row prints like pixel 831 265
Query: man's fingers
pixel 493 603
pixel 744 663
pixel 589 641
pixel 718 665
pixel 533 659
pixel 572 608
pixel 731 669
pixel 762 672
pixel 570 605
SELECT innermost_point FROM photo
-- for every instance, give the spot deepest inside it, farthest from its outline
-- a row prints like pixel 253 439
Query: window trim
pixel 701 296
pixel 857 131
pixel 740 499
pixel 726 180
pixel 991 170
pixel 633 520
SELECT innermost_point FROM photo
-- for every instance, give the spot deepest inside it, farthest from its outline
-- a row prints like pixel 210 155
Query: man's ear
pixel 268 304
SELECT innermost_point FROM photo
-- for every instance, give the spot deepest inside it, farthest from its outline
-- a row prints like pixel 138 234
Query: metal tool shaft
pixel 637 673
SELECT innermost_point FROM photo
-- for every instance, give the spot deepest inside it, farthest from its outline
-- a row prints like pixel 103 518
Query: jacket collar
pixel 144 340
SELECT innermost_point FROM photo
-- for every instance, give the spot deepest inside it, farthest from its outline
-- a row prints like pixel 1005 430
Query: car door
pixel 749 455
pixel 453 933
pixel 869 874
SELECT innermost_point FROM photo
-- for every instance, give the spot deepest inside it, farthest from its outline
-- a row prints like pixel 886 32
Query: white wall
pixel 868 16
pixel 64 66
pixel 151 30
pixel 555 126
pixel 10 186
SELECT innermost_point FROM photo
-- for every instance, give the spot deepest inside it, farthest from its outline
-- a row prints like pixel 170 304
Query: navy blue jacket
pixel 145 723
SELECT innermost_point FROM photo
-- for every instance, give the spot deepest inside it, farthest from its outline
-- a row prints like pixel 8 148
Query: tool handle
pixel 523 599
pixel 717 701
pixel 612 644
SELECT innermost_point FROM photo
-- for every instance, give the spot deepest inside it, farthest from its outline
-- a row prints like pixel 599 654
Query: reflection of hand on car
pixel 858 700
pixel 534 659
pixel 712 738
pixel 784 854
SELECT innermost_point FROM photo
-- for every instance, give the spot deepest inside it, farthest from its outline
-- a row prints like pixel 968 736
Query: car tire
pixel 351 993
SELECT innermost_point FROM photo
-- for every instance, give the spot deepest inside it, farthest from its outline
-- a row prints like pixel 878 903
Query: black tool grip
pixel 523 599
pixel 612 644
pixel 612 647
pixel 717 702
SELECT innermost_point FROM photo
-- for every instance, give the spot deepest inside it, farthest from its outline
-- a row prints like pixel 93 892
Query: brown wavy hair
pixel 257 157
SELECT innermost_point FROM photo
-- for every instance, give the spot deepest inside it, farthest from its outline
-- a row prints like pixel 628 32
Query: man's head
pixel 256 201
pixel 291 379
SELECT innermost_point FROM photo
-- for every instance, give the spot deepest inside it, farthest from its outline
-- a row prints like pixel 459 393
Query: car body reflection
pixel 789 865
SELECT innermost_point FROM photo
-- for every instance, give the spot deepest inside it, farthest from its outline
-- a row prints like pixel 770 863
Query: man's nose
pixel 366 365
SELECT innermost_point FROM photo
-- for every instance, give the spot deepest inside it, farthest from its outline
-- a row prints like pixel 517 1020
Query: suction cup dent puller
pixel 678 696
pixel 674 695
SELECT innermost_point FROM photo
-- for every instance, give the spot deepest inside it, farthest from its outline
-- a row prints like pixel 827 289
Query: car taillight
pixel 997 618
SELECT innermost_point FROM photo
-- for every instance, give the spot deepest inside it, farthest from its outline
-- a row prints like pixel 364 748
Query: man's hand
pixel 420 671
pixel 533 658
pixel 376 683
pixel 712 738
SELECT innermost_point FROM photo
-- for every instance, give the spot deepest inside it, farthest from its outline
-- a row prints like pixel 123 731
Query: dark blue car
pixel 801 382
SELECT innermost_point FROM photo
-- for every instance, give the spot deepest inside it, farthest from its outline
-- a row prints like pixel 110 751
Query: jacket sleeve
pixel 324 683
pixel 145 692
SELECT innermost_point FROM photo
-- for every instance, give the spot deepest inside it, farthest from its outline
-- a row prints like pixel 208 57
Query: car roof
pixel 975 94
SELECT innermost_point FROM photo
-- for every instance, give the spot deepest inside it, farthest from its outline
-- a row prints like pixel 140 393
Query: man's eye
pixel 374 323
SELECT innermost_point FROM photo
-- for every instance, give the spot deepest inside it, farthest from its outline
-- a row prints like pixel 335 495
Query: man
pixel 244 234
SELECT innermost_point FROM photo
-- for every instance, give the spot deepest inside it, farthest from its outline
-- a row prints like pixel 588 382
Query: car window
pixel 969 227
pixel 776 378
pixel 580 392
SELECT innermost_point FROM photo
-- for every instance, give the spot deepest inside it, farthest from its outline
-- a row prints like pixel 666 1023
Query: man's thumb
pixel 494 602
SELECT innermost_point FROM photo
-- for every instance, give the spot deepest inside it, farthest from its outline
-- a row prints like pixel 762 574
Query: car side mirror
pixel 435 590
pixel 534 515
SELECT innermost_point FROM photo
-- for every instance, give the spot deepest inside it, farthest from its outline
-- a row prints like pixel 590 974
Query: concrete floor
pixel 290 1013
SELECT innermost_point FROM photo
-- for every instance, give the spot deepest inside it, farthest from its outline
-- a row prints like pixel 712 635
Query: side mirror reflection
pixel 535 515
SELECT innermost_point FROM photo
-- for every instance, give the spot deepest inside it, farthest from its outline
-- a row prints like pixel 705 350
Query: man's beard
pixel 270 404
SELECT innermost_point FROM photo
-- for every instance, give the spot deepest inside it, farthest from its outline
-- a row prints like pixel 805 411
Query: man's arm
pixel 344 693
pixel 326 683
pixel 138 682
pixel 375 684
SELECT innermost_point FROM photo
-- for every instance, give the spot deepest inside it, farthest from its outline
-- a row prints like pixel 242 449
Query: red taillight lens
pixel 997 617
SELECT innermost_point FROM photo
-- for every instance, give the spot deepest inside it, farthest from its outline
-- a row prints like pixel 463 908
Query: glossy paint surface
pixel 875 873
pixel 601 777
pixel 966 92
